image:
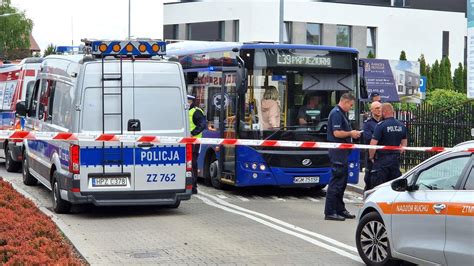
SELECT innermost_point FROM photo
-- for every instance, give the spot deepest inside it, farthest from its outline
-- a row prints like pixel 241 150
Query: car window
pixel 442 176
pixel 470 181
pixel 33 105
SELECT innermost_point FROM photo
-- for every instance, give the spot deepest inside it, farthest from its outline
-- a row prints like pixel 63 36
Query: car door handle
pixel 438 207
pixel 145 145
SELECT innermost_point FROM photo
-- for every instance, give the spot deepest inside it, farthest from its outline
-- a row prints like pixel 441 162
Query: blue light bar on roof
pixel 138 48
pixel 67 49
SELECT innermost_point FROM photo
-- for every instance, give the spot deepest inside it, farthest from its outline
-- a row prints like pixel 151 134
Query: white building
pixel 384 26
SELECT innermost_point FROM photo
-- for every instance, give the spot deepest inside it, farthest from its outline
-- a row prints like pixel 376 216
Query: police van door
pixel 159 109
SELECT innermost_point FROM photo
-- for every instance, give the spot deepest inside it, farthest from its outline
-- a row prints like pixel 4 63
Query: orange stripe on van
pixel 426 208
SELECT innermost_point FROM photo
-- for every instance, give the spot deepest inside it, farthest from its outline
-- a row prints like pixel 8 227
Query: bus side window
pixel 33 103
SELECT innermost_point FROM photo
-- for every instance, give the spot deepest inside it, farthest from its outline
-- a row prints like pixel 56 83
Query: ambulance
pixel 16 84
pixel 116 88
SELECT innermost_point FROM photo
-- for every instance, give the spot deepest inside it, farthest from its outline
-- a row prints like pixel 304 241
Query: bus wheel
pixel 10 165
pixel 215 174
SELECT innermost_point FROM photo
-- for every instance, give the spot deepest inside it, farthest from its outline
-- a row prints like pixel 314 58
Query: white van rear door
pixel 159 106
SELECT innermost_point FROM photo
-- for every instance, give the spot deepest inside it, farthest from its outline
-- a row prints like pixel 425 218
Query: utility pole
pixel 281 20
pixel 129 17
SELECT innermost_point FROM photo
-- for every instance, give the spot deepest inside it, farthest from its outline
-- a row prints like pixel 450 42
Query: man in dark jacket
pixel 197 124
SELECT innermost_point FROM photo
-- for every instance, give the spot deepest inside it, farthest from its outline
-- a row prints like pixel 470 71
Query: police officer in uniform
pixel 197 124
pixel 339 130
pixel 369 127
pixel 389 132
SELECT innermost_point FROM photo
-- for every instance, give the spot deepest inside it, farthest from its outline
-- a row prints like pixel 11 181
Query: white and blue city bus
pixel 278 81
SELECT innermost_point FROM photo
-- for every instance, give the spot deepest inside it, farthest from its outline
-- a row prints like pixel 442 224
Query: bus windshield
pixel 290 93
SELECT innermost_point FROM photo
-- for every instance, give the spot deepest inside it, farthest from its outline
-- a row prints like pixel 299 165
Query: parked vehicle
pixel 120 88
pixel 425 217
pixel 16 84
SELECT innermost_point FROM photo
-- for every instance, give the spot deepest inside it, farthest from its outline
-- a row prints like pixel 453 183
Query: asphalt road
pixel 264 226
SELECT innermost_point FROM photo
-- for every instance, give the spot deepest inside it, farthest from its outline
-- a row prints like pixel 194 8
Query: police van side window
pixel 46 100
pixel 62 107
pixel 33 104
pixel 442 176
pixel 470 181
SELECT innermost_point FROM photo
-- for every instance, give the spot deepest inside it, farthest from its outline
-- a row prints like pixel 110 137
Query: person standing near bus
pixel 389 132
pixel 197 124
pixel 339 130
pixel 369 127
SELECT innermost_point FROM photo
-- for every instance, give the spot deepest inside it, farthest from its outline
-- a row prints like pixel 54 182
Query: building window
pixel 371 41
pixel 401 3
pixel 313 33
pixel 206 31
pixel 236 30
pixel 170 32
pixel 343 37
pixel 287 34
pixel 445 43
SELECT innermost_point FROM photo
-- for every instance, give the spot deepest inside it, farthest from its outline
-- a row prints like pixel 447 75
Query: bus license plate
pixel 306 179
pixel 109 181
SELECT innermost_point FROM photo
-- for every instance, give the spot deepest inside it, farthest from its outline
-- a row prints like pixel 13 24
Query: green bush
pixel 442 98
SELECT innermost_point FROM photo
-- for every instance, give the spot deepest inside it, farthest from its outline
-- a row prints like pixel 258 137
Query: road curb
pixel 62 226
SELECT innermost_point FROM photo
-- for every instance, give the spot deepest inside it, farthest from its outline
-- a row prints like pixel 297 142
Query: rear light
pixel 189 157
pixel 74 162
pixel 17 127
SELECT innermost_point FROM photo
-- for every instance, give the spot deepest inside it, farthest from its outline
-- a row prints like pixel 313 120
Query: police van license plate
pixel 306 179
pixel 109 181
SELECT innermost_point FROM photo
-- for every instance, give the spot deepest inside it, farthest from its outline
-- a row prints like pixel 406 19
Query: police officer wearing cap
pixel 389 132
pixel 369 127
pixel 339 130
pixel 197 124
pixel 375 97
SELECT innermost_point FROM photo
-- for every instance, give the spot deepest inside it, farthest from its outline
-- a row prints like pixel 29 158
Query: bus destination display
pixel 301 60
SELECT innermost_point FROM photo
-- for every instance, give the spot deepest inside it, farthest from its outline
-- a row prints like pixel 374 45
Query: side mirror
pixel 400 185
pixel 241 79
pixel 21 108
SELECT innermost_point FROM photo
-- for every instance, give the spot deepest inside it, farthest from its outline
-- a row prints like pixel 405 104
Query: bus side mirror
pixel 21 108
pixel 241 79
pixel 363 89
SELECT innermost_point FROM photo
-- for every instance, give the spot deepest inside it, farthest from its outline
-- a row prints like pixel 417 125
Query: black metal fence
pixel 431 127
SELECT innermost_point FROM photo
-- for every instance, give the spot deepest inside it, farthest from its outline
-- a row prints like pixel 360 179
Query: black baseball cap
pixel 374 94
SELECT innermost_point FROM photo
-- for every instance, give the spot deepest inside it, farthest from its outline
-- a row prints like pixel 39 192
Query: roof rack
pixel 132 48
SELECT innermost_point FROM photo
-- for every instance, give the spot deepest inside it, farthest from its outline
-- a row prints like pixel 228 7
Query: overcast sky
pixel 61 21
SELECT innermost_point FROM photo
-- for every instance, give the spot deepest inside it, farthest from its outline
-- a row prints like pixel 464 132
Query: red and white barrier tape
pixel 37 135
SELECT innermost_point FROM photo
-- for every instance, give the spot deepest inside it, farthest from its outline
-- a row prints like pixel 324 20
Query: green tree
pixel 15 29
pixel 446 78
pixel 458 79
pixel 370 55
pixel 442 98
pixel 422 65
pixel 435 76
pixel 403 56
pixel 428 78
pixel 51 49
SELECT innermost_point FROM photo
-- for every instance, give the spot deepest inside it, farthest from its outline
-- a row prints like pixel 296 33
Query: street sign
pixel 423 87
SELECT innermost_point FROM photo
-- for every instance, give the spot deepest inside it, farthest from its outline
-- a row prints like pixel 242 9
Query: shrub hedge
pixel 28 236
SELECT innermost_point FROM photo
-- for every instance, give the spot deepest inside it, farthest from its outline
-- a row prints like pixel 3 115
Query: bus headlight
pixel 254 166
pixel 351 165
pixel 263 167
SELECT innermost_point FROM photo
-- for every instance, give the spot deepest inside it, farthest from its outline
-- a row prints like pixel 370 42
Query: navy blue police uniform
pixel 389 132
pixel 337 185
pixel 369 127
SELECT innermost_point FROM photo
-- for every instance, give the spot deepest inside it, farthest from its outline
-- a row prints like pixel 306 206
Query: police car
pixel 117 87
pixel 425 217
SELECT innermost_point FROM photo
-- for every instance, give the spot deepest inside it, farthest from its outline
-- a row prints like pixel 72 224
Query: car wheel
pixel 59 205
pixel 28 179
pixel 215 175
pixel 372 240
pixel 10 164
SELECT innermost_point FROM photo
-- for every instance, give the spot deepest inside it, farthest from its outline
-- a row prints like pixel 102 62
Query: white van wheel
pixel 10 165
pixel 59 205
pixel 28 179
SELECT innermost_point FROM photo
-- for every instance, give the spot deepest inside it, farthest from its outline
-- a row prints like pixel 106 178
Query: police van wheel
pixel 28 179
pixel 372 240
pixel 215 175
pixel 10 165
pixel 59 205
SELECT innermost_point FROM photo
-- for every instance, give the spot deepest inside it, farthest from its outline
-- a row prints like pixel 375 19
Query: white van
pixel 109 92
